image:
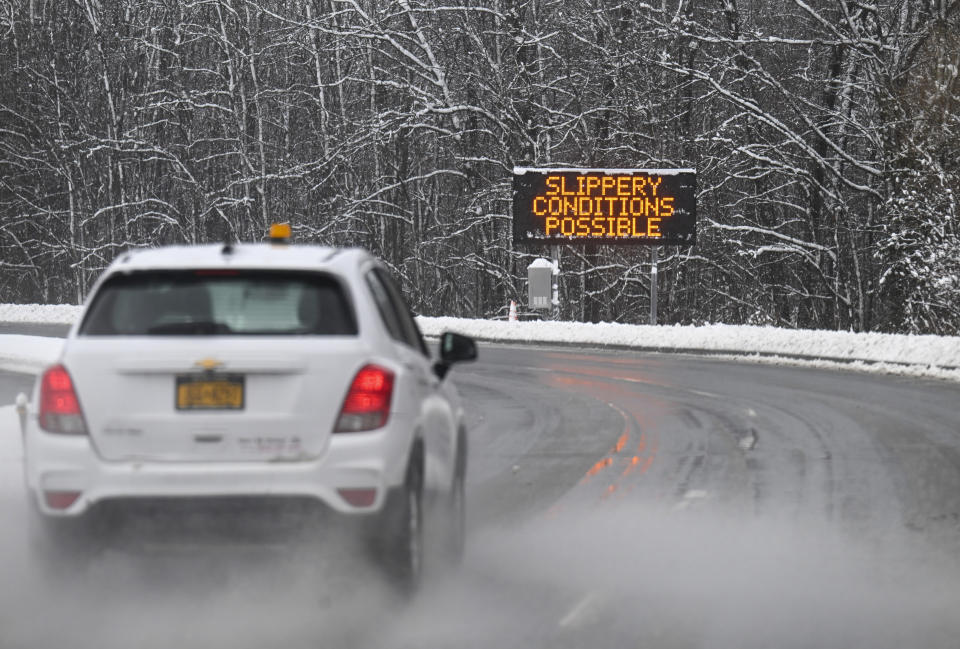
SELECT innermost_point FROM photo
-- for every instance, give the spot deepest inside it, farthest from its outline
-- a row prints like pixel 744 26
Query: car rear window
pixel 220 303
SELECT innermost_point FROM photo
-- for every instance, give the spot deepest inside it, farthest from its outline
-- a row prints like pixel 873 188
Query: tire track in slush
pixel 634 451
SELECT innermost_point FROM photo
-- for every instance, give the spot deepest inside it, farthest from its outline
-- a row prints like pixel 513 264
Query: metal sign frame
pixel 604 206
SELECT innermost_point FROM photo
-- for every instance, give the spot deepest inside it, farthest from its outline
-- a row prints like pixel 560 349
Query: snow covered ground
pixel 28 354
pixel 930 356
pixel 39 313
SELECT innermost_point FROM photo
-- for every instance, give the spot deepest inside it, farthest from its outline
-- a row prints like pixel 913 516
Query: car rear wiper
pixel 195 328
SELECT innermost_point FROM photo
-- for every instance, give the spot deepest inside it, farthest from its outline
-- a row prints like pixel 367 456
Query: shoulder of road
pixel 912 355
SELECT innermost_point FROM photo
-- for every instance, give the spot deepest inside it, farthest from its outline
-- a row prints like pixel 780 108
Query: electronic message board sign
pixel 610 206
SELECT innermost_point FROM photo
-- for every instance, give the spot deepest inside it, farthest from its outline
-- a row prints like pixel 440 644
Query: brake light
pixel 59 406
pixel 367 404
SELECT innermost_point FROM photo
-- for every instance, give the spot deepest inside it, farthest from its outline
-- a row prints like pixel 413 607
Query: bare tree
pixel 825 135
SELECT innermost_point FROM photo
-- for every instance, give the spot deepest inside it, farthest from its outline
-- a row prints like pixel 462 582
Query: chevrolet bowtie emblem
pixel 208 364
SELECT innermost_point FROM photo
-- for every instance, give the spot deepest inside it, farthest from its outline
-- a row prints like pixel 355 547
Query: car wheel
pixel 402 542
pixel 455 523
pixel 456 541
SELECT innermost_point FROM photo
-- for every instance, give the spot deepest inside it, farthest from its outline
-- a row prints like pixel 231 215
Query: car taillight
pixel 59 407
pixel 367 405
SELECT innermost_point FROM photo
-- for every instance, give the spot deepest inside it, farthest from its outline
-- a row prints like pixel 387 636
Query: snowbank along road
pixel 615 499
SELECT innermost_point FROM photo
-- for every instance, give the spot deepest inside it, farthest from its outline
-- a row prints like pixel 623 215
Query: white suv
pixel 249 379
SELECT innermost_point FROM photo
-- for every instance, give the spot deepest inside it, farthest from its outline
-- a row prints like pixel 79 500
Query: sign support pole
pixel 555 298
pixel 653 284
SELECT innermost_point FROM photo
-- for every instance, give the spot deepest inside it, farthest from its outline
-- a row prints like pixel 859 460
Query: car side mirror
pixel 454 348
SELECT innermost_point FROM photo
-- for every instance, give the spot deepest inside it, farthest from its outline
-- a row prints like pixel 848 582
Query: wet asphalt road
pixel 870 453
pixel 620 499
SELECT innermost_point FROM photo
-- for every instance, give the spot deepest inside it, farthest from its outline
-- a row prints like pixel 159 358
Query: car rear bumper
pixel 353 464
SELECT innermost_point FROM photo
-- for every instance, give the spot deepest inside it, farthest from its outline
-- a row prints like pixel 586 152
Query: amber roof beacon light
pixel 280 233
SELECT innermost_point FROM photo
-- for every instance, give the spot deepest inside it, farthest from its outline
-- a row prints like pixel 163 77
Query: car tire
pixel 401 536
pixel 455 523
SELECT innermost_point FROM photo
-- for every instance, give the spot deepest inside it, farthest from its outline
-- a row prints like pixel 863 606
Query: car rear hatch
pixel 215 366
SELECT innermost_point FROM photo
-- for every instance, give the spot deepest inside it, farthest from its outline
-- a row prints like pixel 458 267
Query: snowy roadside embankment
pixel 935 356
pixel 942 351
pixel 39 313
pixel 28 354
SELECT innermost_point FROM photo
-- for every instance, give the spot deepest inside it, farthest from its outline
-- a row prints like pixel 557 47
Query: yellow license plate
pixel 210 393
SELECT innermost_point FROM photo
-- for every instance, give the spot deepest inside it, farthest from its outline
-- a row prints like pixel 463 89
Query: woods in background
pixel 825 133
